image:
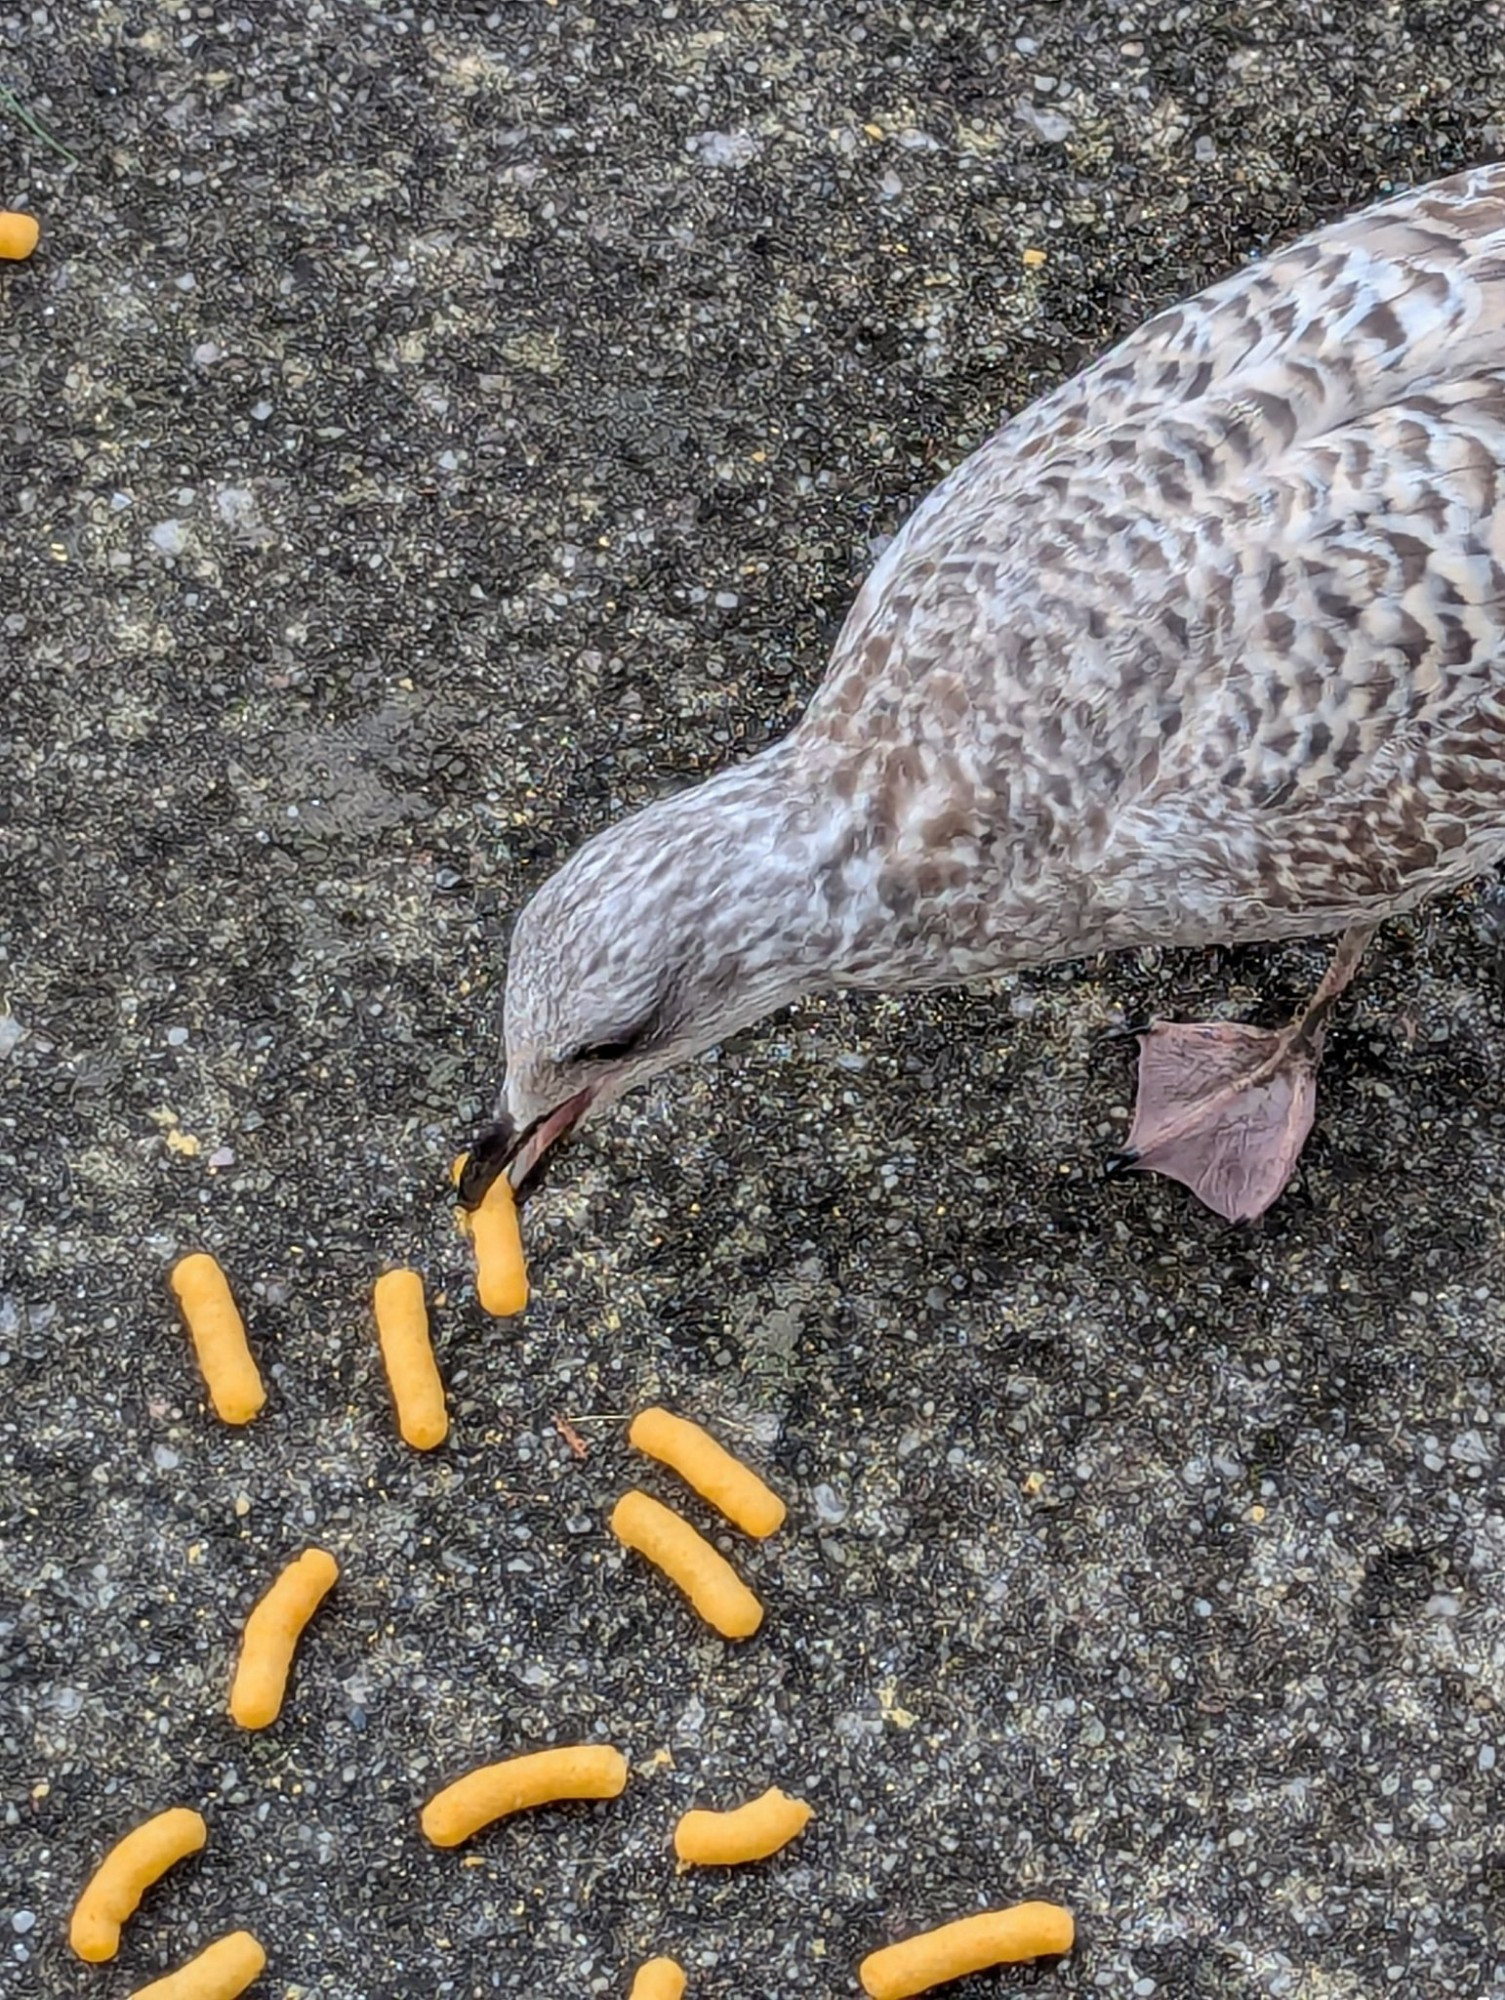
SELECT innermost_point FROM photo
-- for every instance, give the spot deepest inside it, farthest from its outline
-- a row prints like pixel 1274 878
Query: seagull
pixel 1206 645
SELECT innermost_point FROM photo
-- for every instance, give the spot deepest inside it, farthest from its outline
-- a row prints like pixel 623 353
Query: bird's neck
pixel 876 875
pixel 789 845
pixel 760 841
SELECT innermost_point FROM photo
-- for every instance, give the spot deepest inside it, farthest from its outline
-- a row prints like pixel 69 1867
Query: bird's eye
pixel 605 1052
pixel 629 1041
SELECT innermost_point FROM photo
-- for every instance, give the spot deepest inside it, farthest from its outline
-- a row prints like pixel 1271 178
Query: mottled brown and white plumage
pixel 1206 644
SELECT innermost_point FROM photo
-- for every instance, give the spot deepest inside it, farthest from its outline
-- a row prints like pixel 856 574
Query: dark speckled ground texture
pixel 424 437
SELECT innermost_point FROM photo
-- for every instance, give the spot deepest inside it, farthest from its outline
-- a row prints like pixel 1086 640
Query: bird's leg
pixel 1224 1108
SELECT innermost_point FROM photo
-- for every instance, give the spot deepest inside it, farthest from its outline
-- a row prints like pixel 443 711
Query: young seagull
pixel 1206 645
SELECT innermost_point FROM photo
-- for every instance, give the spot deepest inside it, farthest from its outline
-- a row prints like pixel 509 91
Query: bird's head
pixel 662 936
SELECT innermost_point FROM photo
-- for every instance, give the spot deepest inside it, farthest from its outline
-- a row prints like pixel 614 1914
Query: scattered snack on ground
pixel 997 1937
pixel 133 1864
pixel 219 1338
pixel 540 1778
pixel 220 1972
pixel 18 235
pixel 402 1326
pixel 496 1237
pixel 687 1559
pixel 659 1979
pixel 748 1833
pixel 272 1632
pixel 732 1488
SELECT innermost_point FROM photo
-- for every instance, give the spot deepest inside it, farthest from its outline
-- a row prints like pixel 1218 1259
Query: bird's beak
pixel 523 1156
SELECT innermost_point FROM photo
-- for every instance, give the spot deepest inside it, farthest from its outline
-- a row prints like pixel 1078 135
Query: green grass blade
pixel 11 105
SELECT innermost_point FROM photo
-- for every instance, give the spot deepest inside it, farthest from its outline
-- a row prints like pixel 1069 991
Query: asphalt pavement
pixel 424 436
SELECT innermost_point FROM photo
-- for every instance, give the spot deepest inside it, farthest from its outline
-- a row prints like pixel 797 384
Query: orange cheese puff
pixel 687 1559
pixel 18 235
pixel 497 1239
pixel 998 1937
pixel 583 1771
pixel 659 1979
pixel 117 1885
pixel 732 1488
pixel 402 1326
pixel 221 1972
pixel 749 1833
pixel 272 1631
pixel 219 1338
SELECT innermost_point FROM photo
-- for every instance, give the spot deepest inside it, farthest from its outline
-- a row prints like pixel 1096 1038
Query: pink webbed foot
pixel 1224 1109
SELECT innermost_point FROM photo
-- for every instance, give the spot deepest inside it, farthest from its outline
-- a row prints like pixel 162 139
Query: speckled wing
pixel 1215 629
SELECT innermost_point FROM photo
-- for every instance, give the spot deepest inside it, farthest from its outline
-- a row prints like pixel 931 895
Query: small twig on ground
pixel 571 1436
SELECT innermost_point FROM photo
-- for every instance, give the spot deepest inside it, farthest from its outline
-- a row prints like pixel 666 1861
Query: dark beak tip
pixel 493 1147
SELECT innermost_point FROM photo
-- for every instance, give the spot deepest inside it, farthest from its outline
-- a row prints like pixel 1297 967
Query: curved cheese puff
pixel 659 1979
pixel 998 1937
pixel 583 1771
pixel 750 1833
pixel 221 1972
pixel 219 1338
pixel 732 1488
pixel 117 1885
pixel 687 1558
pixel 18 234
pixel 497 1239
pixel 402 1325
pixel 272 1632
